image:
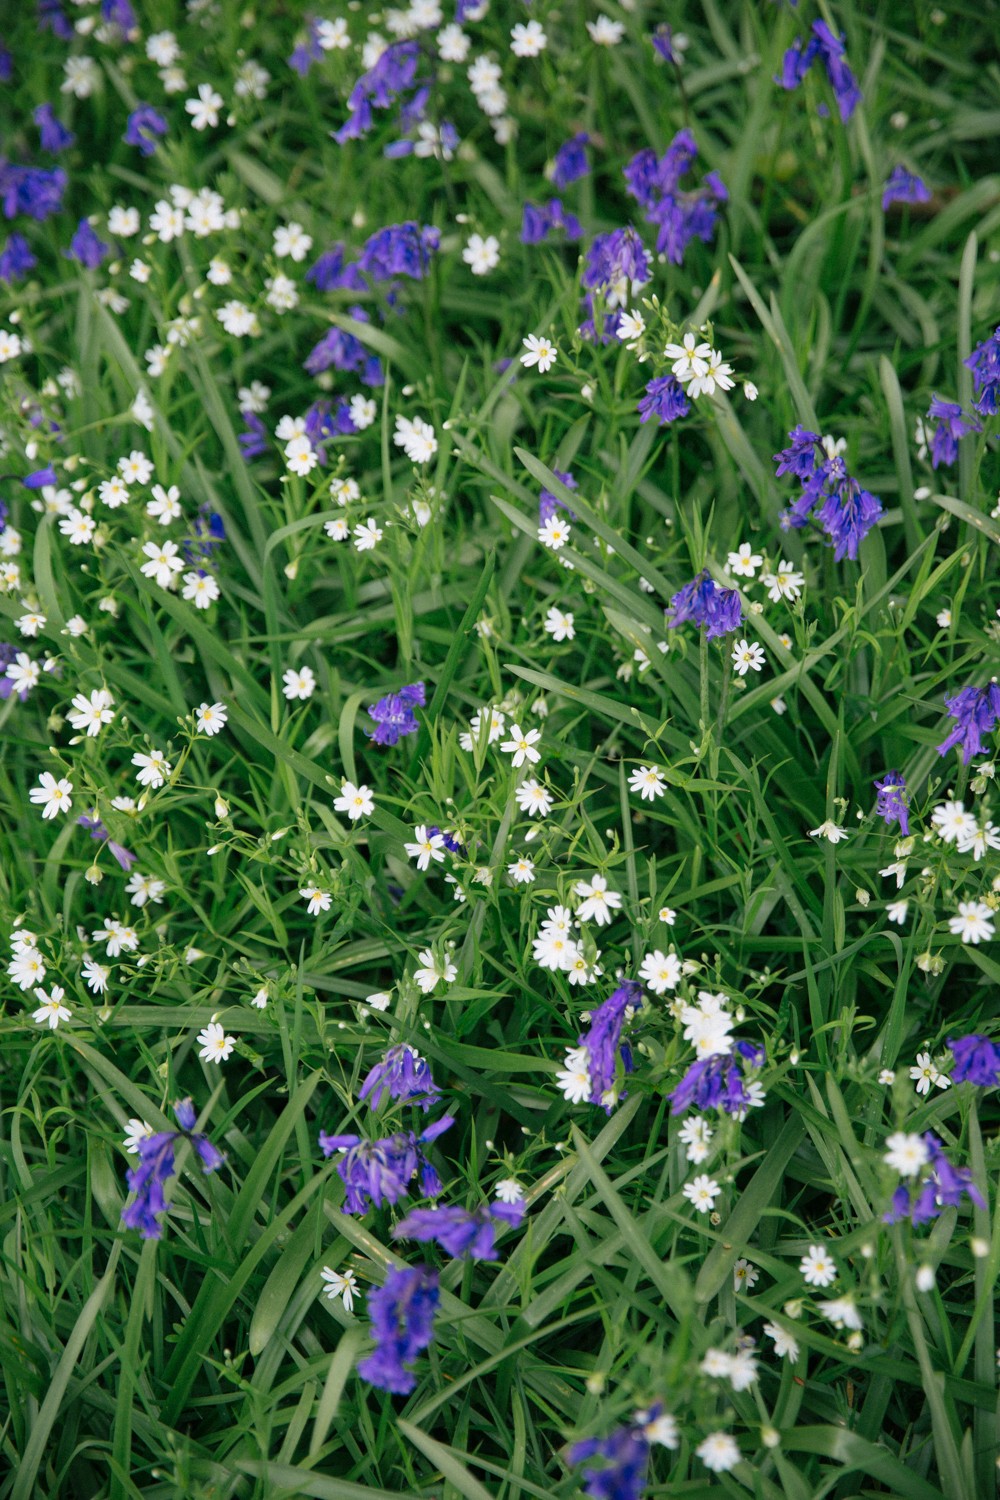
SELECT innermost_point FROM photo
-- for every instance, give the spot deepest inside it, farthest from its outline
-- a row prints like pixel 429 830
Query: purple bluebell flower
pixel 208 532
pixel 891 801
pixel 977 1061
pixel 253 442
pixel 665 400
pixel 975 711
pixel 392 74
pixel 156 1167
pixel 142 128
pixel 548 503
pixel 718 1082
pixel 829 48
pixel 331 272
pixel 715 610
pixel 664 45
pixel 984 362
pixel 54 135
pixel 39 479
pixel 402 1074
pixel 540 219
pixel 602 1039
pixel 394 716
pixel 31 190
pixel 402 1325
pixel 940 1185
pixel 307 52
pixel 86 248
pixel 337 349
pixel 399 250
pixel 451 843
pixel 52 17
pixel 680 216
pixel 98 832
pixel 6 64
pixel 613 262
pixel 904 187
pixel 16 259
pixel 377 1172
pixel 119 13
pixel 624 1455
pixel 459 1231
pixel 951 424
pixel 844 510
pixel 570 162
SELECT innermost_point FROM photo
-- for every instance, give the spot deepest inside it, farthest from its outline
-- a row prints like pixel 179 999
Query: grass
pixel 209 1363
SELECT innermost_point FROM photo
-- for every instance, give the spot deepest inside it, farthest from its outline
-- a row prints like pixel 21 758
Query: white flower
pixel 842 1312
pixel 427 847
pixel 434 970
pixel 452 44
pixel 116 937
pixel 162 48
pixel 896 911
pixel 238 319
pixel 973 924
pixel 559 625
pixel 696 1135
pixel 508 1191
pixel 926 1074
pixel 784 584
pixel 367 535
pixel 482 255
pixel 356 801
pixel 784 1345
pixel 113 492
pixel 747 656
pixel 165 504
pixel 204 110
pixel 416 438
pixel 53 796
pixel 573 1078
pixel 830 831
pixel 253 397
pixel 136 1131
pixel 750 390
pixel 91 713
pixel 78 526
pixel 953 823
pixel 31 623
pixel 27 966
pixel 648 781
pixel 316 898
pixel 631 327
pixel 533 798
pixel 817 1268
pixel 214 1043
pixel 689 358
pixel 201 589
pixel 153 769
pixel 363 411
pixel 299 684
pixel 528 40
pixel 539 351
pixel 143 888
pixel 662 1429
pixel 906 1153
pixel 660 971
pixel 23 673
pixel 340 1286
pixel 744 562
pixel 498 724
pixel 51 1009
pixel 554 533
pixel 136 468
pixel 521 871
pixel 521 746
pixel 94 975
pixel 715 377
pixel 702 1193
pixel 604 32
pixel 333 36
pixel 745 1275
pixel 598 902
pixel 164 563
pixel 292 240
pixel 210 718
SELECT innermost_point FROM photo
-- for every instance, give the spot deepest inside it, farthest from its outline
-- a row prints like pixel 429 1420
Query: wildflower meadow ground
pixel 498 683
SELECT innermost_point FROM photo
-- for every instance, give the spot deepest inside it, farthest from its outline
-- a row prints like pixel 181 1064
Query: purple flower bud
pixel 86 248
pixel 891 801
pixel 253 442
pixel 458 1231
pixel 142 128
pixel 717 1082
pixel 377 1172
pixel 975 711
pixel 977 1061
pixel 402 1325
pixel 570 162
pixel 602 1039
pixel 903 187
pixel 394 716
pixel 665 400
pixel 951 424
pixel 16 259
pixel 715 610
pixel 157 1166
pixel 54 135
pixel 31 190
pixel 984 362
pixel 402 1074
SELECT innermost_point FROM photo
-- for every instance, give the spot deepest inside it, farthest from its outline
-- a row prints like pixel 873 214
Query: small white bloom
pixel 215 1045
pixel 356 801
pixel 539 351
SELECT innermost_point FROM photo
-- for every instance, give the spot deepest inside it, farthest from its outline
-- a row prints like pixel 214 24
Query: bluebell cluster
pixel 157 1166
